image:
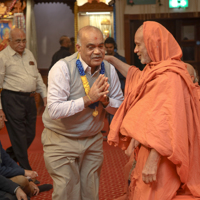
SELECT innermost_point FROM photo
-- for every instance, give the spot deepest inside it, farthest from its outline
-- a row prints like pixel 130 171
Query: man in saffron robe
pixel 161 112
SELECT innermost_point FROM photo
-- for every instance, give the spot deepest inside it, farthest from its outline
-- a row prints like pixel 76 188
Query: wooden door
pixel 188 37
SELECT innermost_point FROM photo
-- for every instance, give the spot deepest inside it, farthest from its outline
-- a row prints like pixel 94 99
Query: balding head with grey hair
pixel 90 46
pixel 17 40
pixel 15 31
pixel 86 28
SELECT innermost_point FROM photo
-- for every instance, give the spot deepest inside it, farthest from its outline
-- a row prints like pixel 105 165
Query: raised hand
pixel 99 89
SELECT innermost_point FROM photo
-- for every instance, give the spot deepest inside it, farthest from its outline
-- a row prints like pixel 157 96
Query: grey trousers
pixel 74 165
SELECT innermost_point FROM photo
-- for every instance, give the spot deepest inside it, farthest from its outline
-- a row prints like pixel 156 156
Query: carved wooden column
pixel 120 10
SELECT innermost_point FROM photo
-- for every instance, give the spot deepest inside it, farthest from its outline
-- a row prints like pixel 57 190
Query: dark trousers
pixel 7 196
pixel 20 111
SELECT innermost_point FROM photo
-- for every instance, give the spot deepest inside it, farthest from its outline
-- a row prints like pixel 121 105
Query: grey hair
pixel 78 40
pixel 86 28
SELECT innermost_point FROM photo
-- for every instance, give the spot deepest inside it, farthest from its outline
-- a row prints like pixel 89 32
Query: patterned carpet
pixel 111 181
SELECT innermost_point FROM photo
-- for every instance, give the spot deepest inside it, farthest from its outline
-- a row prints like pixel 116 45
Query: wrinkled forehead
pixel 18 35
pixel 93 36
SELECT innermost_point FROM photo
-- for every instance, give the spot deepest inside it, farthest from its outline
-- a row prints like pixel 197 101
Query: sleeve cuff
pixel 80 104
pixel 43 94
pixel 16 189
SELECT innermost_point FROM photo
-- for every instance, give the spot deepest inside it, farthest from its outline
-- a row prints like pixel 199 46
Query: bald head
pixel 65 41
pixel 140 30
pixel 14 32
pixel 192 72
pixel 85 30
pixel 90 46
pixel 17 40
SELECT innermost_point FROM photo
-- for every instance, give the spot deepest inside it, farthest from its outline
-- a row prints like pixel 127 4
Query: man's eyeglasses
pixel 19 41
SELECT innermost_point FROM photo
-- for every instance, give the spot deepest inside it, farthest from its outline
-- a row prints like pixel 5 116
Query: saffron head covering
pixel 160 43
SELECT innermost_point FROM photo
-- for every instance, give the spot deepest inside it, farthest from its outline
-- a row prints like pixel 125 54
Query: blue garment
pixel 8 167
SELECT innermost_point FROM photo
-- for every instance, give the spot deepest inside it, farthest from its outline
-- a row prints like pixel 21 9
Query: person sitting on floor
pixel 14 180
pixel 10 190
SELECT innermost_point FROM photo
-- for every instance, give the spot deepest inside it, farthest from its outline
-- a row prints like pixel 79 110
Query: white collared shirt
pixel 59 91
pixel 19 73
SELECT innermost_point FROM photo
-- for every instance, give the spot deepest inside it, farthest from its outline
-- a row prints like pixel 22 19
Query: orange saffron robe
pixel 161 111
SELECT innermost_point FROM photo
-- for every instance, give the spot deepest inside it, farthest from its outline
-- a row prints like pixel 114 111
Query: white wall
pixel 52 21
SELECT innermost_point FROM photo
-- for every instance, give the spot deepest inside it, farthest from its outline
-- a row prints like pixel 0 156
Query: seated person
pixel 14 182
pixel 10 190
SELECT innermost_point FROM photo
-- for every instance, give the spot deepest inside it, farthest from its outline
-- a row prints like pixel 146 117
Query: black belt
pixel 27 94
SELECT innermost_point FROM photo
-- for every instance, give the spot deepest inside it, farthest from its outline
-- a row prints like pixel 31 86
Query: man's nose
pixel 135 50
pixel 96 50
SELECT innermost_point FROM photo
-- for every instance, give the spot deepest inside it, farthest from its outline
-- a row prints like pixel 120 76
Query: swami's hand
pixel 108 58
pixel 149 171
pixel 99 89
pixel 31 174
pixel 20 194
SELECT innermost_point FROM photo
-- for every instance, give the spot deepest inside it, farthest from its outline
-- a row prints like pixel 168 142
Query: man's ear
pixel 78 47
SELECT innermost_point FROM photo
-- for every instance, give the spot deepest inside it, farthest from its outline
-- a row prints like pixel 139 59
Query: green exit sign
pixel 178 3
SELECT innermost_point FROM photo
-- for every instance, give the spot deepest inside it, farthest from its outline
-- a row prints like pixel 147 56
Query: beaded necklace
pixel 86 83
